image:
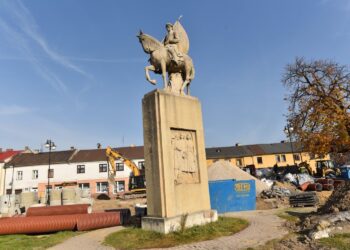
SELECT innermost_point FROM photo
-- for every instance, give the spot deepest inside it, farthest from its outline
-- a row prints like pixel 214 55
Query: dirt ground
pixel 323 196
pixel 264 226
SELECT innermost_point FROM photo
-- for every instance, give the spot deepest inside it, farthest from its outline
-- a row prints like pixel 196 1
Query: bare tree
pixel 319 102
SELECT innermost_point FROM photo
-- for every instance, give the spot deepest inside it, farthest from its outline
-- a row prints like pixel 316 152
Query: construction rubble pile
pixel 298 189
pixel 331 218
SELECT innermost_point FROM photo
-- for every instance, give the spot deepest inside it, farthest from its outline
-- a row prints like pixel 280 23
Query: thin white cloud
pixel 79 59
pixel 13 110
pixel 21 43
pixel 102 60
pixel 28 25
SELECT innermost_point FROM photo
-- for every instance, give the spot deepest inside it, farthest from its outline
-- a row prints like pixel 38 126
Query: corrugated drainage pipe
pixel 40 224
pixel 314 187
pixel 59 210
pixel 98 220
pixel 325 181
pixel 328 187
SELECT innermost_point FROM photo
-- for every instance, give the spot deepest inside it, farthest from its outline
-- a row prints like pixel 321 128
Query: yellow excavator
pixel 137 184
pixel 323 168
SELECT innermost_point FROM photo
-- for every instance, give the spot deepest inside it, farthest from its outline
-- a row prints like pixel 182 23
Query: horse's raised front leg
pixel 147 68
pixel 163 67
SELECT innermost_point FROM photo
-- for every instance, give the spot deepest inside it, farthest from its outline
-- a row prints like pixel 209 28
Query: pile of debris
pixel 332 217
pixel 338 201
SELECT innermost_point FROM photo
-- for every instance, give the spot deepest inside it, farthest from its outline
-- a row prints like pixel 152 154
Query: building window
pixel 278 158
pixel 283 158
pixel 119 186
pixel 239 162
pixel 51 173
pixel 102 187
pixel 296 157
pixel 35 174
pixel 18 191
pixel 84 186
pixel 80 169
pixel 141 164
pixel 120 166
pixel 102 168
pixel 19 175
pixel 259 160
pixel 34 189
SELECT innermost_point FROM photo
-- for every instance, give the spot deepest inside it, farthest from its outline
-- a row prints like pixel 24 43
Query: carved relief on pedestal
pixel 185 157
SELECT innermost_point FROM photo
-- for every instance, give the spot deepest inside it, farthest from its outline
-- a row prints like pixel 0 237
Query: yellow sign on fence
pixel 242 187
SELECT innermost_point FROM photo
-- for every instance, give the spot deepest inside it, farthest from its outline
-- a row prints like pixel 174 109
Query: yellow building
pixel 262 155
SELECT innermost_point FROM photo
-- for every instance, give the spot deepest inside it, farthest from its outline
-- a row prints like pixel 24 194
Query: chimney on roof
pixel 237 144
pixel 72 148
pixel 283 141
pixel 0 150
pixel 132 145
pixel 98 145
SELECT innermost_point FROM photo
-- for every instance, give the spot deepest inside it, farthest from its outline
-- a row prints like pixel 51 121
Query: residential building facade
pixel 262 155
pixel 5 156
pixel 87 169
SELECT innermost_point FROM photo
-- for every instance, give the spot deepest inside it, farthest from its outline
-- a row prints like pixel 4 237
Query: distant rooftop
pixel 252 150
pixel 137 152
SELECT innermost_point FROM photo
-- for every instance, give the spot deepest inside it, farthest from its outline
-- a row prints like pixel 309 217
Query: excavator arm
pixel 136 182
pixel 113 155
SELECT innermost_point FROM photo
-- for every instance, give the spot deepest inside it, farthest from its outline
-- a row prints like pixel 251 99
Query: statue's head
pixel 169 26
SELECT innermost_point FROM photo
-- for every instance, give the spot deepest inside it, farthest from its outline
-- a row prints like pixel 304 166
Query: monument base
pixel 168 225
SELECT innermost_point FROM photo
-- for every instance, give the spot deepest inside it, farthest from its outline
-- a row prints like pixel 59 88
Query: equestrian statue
pixel 170 56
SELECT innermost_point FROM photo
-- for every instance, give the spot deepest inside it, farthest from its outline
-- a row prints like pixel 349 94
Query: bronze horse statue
pixel 162 63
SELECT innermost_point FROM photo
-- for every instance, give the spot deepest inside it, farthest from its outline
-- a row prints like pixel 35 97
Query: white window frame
pixel 119 164
pixel 35 174
pixel 101 166
pixel 19 175
pixel 81 169
pixel 84 185
pixel 119 187
pixel 99 187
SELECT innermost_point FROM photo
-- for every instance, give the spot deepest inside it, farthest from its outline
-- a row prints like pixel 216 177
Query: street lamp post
pixel 288 130
pixel 51 146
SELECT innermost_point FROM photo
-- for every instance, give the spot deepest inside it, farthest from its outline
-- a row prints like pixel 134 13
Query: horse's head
pixel 149 43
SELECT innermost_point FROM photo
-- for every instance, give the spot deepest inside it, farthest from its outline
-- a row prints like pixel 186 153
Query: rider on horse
pixel 170 42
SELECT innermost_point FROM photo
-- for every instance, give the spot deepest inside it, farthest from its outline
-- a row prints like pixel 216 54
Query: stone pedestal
pixel 176 172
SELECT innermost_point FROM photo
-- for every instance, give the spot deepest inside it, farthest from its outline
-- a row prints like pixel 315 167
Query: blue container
pixel 232 195
pixel 345 172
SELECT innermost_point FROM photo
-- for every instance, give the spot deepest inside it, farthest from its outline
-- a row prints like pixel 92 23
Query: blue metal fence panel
pixel 232 195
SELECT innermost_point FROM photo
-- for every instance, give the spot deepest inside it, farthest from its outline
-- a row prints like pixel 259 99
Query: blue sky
pixel 73 71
